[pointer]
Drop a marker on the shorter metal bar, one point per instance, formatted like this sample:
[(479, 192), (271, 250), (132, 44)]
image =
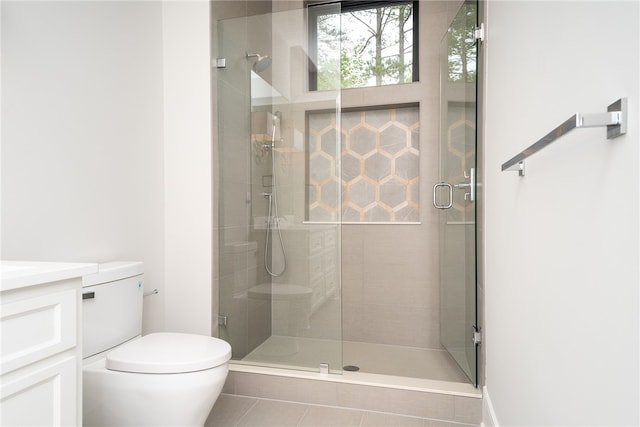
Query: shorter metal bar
[(153, 292), (598, 119)]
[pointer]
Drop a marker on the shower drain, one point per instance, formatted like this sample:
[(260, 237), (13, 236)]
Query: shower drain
[(351, 368)]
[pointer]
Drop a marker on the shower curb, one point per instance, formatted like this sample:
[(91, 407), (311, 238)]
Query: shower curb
[(349, 393)]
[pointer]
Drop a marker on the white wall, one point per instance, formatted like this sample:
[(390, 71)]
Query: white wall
[(188, 167), (562, 242), (99, 157)]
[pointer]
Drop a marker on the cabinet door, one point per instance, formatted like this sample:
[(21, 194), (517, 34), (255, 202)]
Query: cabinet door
[(50, 320), (41, 397)]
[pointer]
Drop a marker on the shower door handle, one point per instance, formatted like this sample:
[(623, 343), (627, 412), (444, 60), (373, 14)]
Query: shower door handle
[(435, 195), (470, 196), (471, 185)]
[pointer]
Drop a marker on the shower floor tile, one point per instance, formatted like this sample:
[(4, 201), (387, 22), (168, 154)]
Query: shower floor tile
[(402, 361), (370, 358)]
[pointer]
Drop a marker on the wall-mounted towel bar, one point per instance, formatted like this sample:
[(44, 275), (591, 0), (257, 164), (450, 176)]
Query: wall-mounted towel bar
[(615, 119)]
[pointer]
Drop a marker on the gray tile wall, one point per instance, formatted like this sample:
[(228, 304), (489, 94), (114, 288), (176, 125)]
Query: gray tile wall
[(390, 273)]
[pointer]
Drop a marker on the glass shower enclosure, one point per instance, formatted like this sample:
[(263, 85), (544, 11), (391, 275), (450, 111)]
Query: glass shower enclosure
[(279, 195), (279, 272), (459, 330)]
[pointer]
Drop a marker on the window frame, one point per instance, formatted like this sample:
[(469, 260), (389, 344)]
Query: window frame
[(315, 9)]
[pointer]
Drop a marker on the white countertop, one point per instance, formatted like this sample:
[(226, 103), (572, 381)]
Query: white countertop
[(20, 274)]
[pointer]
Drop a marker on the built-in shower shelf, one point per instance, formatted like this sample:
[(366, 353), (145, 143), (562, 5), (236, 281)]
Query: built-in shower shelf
[(461, 223), (615, 119)]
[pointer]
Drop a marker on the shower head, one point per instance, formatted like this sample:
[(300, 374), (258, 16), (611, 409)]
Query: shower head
[(262, 62)]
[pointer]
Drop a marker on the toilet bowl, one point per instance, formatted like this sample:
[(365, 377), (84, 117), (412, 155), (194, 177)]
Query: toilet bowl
[(133, 380)]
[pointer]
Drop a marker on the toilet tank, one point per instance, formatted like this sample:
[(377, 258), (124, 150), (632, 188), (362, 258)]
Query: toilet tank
[(111, 306)]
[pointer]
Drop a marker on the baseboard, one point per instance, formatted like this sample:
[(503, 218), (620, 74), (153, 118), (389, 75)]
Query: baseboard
[(489, 418)]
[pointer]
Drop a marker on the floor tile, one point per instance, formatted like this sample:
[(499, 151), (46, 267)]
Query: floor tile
[(374, 419), (323, 416), (270, 413), (241, 411), (228, 410)]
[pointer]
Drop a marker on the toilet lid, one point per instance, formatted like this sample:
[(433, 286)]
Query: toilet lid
[(169, 353)]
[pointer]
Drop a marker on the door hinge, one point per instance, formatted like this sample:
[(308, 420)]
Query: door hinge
[(476, 335), (222, 320), (478, 33)]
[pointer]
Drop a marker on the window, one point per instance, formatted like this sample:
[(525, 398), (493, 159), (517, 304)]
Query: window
[(362, 43)]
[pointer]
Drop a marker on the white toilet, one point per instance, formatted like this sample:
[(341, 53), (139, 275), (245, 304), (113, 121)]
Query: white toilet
[(160, 379)]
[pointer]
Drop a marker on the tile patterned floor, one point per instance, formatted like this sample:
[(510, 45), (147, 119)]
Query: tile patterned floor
[(239, 411)]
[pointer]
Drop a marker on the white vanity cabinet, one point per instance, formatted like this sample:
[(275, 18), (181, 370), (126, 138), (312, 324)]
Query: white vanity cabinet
[(41, 353)]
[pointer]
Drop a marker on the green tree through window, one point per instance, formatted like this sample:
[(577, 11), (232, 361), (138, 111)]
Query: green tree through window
[(462, 49), (363, 44)]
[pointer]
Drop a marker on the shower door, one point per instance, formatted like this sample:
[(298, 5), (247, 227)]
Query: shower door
[(455, 195)]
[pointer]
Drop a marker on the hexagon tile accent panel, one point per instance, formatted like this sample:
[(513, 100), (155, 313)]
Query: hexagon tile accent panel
[(380, 166)]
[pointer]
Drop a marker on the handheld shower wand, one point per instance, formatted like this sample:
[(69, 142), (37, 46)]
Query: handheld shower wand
[(273, 202)]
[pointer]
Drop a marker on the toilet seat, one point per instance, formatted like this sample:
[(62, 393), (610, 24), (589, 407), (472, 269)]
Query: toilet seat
[(169, 353)]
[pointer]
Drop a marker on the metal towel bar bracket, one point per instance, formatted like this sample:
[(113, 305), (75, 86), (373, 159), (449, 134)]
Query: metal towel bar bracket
[(615, 119)]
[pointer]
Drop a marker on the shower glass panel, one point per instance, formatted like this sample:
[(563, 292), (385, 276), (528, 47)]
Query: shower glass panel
[(455, 195), (279, 272)]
